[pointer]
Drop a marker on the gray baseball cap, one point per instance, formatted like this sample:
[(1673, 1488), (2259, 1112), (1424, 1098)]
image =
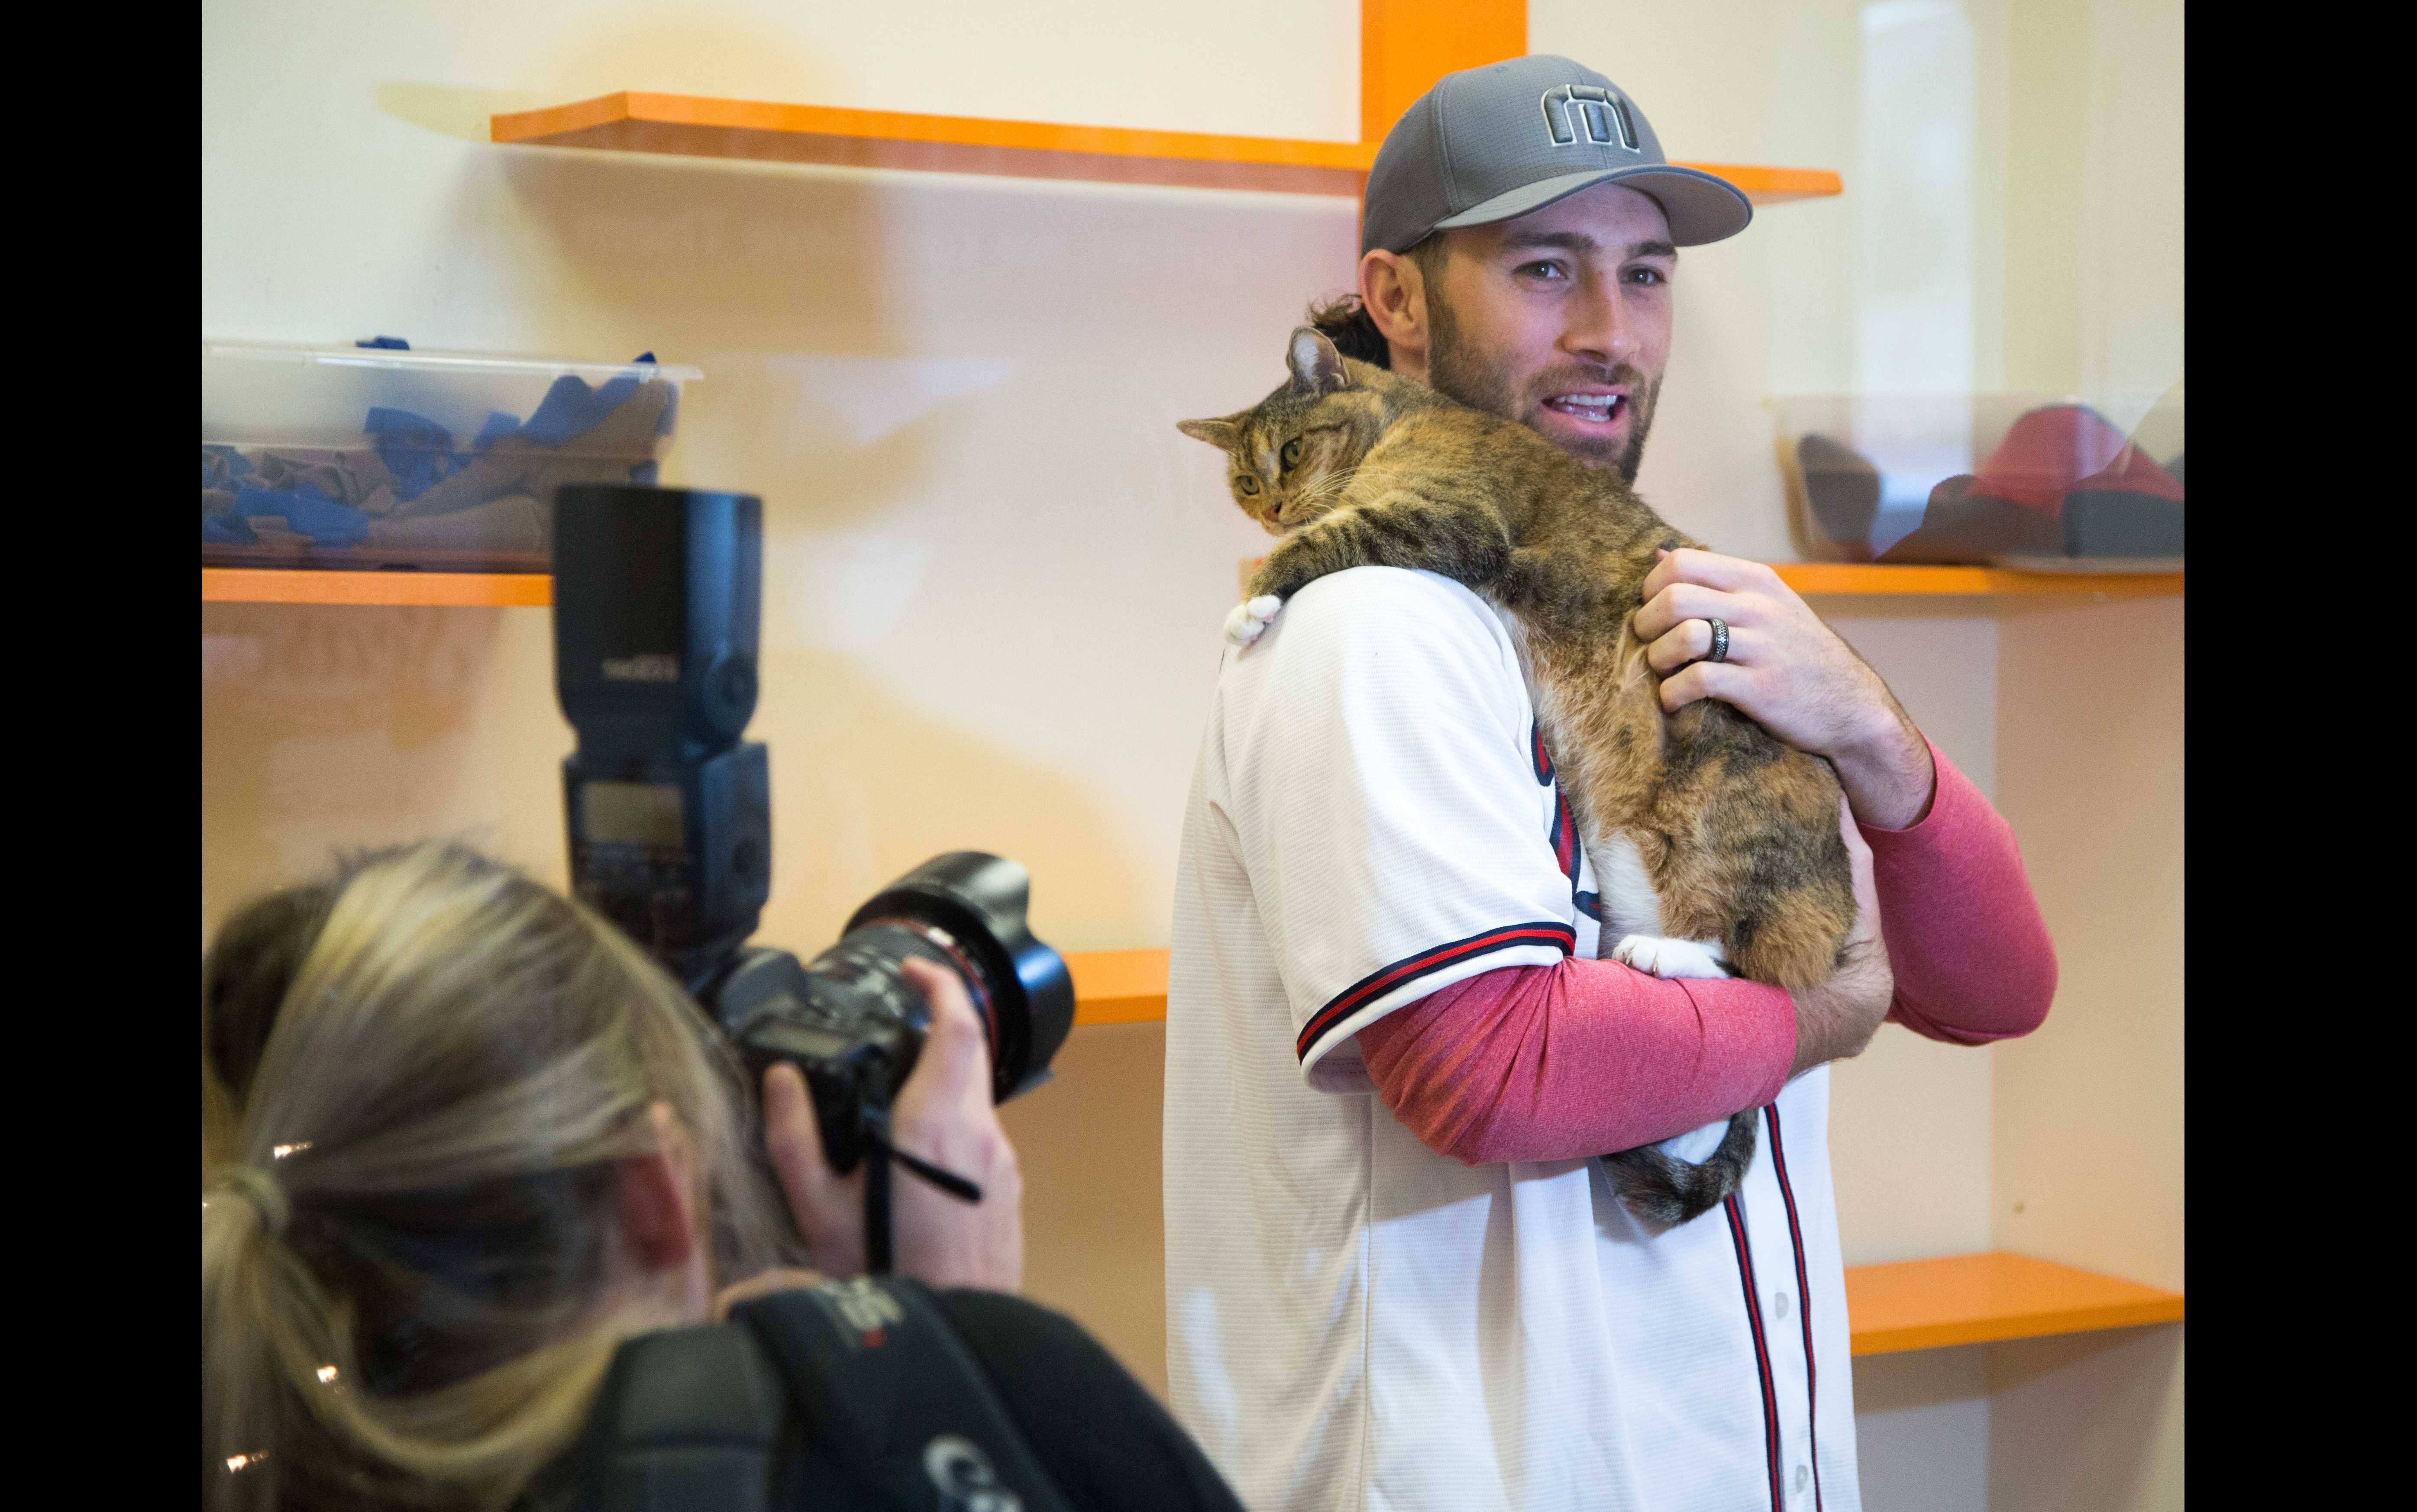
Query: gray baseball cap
[(1485, 144)]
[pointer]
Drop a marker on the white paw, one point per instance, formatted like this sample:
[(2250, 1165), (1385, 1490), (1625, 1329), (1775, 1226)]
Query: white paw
[(1670, 957), (1250, 619)]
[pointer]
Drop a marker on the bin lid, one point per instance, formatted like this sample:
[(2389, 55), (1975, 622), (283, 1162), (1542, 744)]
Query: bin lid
[(303, 353)]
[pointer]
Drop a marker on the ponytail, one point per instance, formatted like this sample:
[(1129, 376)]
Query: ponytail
[(416, 1085)]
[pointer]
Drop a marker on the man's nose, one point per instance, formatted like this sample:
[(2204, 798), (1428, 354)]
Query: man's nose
[(1599, 329)]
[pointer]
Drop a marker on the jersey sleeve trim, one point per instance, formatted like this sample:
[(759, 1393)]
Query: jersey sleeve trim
[(1538, 757), (1386, 979)]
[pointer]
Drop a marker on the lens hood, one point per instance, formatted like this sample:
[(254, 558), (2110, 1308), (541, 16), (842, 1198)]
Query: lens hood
[(981, 900)]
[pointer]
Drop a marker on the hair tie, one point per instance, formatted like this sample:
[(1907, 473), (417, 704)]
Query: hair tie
[(263, 1190)]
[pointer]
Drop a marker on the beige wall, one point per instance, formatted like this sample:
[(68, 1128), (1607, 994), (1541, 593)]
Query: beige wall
[(2088, 1136), (996, 573)]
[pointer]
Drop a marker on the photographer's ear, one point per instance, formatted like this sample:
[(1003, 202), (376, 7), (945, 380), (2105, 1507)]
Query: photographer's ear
[(656, 1197)]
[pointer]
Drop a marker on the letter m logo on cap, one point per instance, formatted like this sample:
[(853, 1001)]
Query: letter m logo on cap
[(1587, 111)]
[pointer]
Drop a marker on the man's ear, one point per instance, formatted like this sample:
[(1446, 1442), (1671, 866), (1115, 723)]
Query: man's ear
[(1316, 366), (1393, 290), (654, 1200), (1218, 434)]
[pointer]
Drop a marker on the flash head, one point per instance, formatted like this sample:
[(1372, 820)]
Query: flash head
[(656, 603)]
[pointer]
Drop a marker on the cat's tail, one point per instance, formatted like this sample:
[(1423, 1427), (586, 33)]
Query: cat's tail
[(1664, 1191)]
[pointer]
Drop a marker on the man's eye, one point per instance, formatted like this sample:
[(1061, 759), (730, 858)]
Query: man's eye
[(1247, 483), (1291, 454), (1543, 270), (1648, 275)]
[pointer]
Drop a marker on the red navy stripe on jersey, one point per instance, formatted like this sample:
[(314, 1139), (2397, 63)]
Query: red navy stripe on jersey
[(1538, 756), (1761, 1346), (1803, 1297), (1378, 983), (1564, 836)]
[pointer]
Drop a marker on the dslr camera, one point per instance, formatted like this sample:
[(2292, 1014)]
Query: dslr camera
[(658, 596)]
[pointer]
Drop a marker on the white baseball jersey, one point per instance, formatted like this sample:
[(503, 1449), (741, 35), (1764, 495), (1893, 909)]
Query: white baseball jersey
[(1354, 1322)]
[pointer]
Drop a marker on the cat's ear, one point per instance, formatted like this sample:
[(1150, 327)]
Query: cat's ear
[(1218, 434), (1316, 366)]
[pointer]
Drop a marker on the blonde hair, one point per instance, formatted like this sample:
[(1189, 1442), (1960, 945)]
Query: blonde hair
[(415, 1077)]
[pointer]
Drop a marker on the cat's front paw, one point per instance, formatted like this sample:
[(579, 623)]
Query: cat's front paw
[(1670, 957), (1250, 618)]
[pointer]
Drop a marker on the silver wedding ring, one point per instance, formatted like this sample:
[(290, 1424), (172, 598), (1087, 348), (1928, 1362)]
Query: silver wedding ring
[(1720, 651)]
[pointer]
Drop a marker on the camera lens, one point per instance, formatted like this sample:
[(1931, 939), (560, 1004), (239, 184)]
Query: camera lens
[(853, 1024), (965, 910)]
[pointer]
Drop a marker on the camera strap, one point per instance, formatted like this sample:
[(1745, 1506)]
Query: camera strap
[(854, 1395), (687, 1417), (895, 1400), (879, 1229)]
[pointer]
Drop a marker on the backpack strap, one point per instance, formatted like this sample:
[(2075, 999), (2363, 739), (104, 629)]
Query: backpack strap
[(687, 1418), (892, 1395)]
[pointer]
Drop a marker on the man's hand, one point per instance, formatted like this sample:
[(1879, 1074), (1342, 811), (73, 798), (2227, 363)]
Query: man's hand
[(1837, 1018), (944, 1116), (1788, 673)]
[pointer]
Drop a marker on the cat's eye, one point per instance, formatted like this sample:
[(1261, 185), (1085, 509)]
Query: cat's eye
[(1292, 453), (1247, 483)]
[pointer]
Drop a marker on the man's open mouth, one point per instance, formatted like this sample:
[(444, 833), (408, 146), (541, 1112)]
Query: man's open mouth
[(1593, 408)]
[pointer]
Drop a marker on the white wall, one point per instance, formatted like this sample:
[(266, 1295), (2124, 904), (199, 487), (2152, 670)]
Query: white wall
[(996, 572)]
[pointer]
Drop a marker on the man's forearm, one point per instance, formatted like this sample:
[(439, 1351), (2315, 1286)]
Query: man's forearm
[(1887, 773), (1971, 954), (1560, 1062)]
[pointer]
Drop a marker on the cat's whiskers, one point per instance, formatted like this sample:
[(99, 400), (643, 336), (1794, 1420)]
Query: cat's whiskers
[(1320, 496)]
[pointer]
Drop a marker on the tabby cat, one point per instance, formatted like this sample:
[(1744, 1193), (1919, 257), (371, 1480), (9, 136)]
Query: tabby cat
[(1717, 846)]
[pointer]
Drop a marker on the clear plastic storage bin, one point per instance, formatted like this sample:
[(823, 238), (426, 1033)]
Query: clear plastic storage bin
[(2004, 480), (372, 458)]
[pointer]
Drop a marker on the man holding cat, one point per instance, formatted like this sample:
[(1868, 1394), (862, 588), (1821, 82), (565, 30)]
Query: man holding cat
[(1397, 1274)]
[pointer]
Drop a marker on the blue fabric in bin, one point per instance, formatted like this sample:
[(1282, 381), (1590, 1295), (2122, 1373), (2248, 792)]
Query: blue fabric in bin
[(227, 530), (498, 426), (222, 465), (306, 511), (571, 408), (415, 448)]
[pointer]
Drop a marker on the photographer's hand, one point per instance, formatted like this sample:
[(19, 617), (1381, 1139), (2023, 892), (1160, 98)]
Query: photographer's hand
[(944, 1116)]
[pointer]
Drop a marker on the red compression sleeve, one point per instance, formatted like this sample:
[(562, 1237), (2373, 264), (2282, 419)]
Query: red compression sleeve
[(1558, 1063), (1970, 953), (1553, 1063)]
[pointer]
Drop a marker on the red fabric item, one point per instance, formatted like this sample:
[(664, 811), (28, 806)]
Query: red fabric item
[(2049, 451), (2134, 471), (1558, 1063)]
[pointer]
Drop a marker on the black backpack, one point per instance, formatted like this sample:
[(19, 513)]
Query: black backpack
[(850, 1394)]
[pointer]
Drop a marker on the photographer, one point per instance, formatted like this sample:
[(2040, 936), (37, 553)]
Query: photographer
[(473, 1169)]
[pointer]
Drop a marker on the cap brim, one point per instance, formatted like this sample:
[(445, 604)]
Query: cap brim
[(1701, 207)]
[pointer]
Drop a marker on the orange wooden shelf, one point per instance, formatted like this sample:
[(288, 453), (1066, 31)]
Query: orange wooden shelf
[(1118, 986), (256, 585), (1836, 577), (1860, 578), (697, 126), (273, 586), (1975, 1299), (1405, 46)]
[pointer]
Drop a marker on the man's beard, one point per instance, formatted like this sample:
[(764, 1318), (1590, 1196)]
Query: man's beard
[(1456, 369)]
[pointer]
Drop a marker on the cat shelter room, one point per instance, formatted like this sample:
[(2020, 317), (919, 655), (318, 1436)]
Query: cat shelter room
[(936, 288)]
